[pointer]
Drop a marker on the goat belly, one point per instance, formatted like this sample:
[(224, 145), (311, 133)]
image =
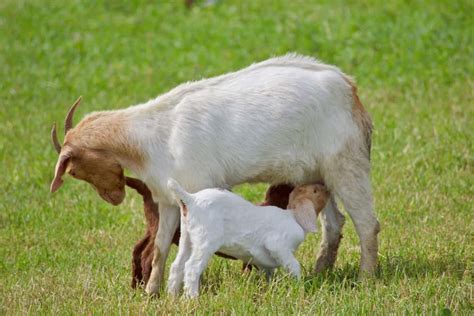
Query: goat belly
[(258, 256)]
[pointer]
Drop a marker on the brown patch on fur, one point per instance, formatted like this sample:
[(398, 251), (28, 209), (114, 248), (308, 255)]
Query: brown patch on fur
[(99, 168), (278, 195), (316, 193), (105, 131), (94, 149), (361, 116)]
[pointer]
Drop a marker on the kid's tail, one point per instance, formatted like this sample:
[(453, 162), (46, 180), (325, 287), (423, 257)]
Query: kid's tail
[(180, 194)]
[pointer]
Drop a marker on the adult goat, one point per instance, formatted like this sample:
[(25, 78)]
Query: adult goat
[(288, 119)]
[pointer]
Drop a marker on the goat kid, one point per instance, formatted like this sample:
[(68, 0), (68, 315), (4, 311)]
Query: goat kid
[(219, 220), (142, 254)]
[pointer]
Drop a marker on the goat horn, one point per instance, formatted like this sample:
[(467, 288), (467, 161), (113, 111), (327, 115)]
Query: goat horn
[(70, 114), (54, 137)]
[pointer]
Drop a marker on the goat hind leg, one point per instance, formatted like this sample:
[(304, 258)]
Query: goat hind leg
[(332, 222), (193, 269), (348, 176), (175, 279)]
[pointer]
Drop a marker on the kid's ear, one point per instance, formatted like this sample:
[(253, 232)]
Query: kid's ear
[(305, 215)]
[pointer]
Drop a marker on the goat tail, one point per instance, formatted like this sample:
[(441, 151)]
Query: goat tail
[(180, 194)]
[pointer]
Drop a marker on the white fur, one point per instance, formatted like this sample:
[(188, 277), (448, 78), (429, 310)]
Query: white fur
[(218, 220), (273, 122), (284, 120)]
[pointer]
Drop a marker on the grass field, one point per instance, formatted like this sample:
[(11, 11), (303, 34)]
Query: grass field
[(69, 253)]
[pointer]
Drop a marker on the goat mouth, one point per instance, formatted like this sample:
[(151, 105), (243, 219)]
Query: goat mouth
[(114, 198)]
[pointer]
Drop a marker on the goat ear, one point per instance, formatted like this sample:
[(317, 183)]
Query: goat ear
[(305, 215), (61, 166)]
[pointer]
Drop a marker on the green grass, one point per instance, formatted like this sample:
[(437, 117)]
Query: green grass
[(70, 252)]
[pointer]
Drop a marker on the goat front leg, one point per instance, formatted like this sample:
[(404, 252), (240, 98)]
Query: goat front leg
[(169, 218), (285, 258)]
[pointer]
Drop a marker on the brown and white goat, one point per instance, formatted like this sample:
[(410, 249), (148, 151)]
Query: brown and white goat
[(288, 119)]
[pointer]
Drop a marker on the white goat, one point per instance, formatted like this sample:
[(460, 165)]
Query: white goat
[(219, 220), (289, 120)]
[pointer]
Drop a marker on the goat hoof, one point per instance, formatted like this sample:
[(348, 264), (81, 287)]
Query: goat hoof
[(151, 289), (323, 266), (173, 291), (366, 276)]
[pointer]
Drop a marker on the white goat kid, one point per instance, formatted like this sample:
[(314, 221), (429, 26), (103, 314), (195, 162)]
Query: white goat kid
[(219, 220), (289, 120)]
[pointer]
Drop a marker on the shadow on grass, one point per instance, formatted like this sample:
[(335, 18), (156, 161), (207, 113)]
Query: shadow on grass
[(398, 267), (391, 269)]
